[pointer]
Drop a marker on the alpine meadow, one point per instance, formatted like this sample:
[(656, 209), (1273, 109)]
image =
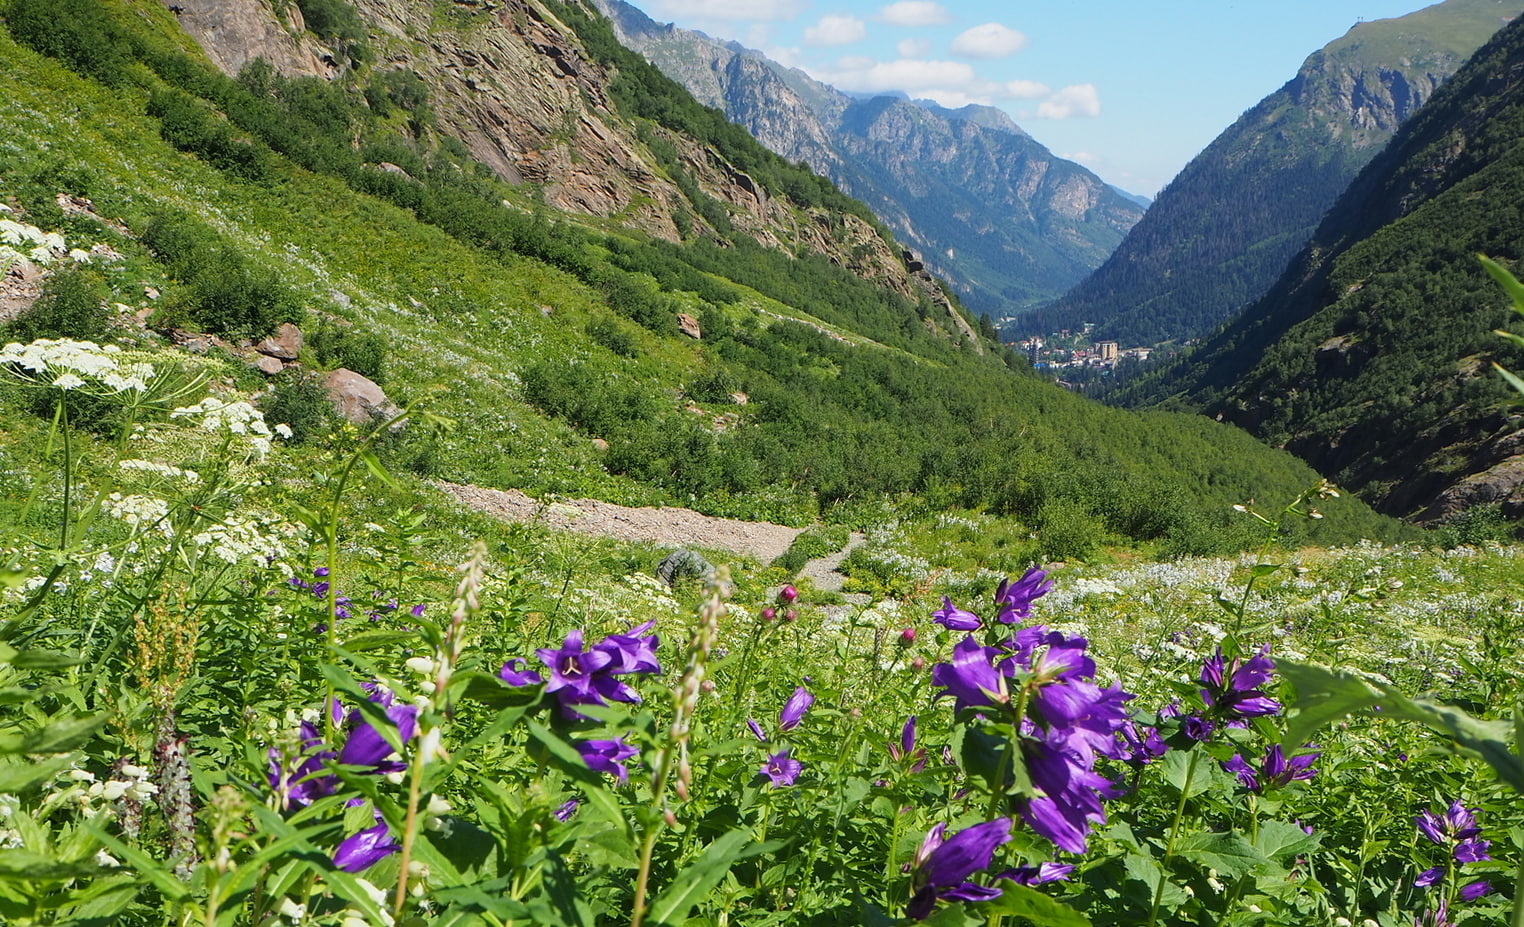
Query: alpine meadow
[(449, 475)]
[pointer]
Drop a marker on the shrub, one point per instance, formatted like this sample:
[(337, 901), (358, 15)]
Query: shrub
[(811, 544), (72, 305), (1065, 531), (612, 335), (1477, 525), (362, 352), (300, 401)]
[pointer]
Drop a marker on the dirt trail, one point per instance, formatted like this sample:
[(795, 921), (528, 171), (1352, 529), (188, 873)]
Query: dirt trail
[(669, 527)]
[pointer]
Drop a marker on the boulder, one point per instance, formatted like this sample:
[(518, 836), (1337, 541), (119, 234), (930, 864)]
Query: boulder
[(285, 344), (358, 399), (270, 366), (689, 326)]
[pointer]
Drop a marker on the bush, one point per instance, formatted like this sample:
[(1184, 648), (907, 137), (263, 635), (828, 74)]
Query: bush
[(1065, 531), (77, 32), (362, 352), (612, 335), (72, 305), (224, 292), (1477, 525), (300, 401)]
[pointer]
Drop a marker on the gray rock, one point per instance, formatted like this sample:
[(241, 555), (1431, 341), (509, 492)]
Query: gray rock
[(684, 564), (270, 366), (285, 344), (358, 399)]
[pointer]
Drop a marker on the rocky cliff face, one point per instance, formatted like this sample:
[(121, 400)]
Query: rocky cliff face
[(996, 213), (515, 85)]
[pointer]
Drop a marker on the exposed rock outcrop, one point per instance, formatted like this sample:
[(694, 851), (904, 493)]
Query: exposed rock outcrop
[(235, 32), (358, 399)]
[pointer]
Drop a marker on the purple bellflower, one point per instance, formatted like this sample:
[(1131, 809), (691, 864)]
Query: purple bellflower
[(366, 746), (794, 709), (358, 852), (1475, 890), (607, 756), (972, 678), (906, 750), (1455, 823), (1274, 772), (566, 810), (515, 673), (756, 730), (782, 769), (1233, 688), (1141, 746), (1037, 875), (1015, 599), (942, 867), (955, 619), (581, 676)]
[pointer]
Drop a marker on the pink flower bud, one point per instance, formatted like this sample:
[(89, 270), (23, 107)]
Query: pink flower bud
[(788, 594), (907, 636), (791, 615), (918, 663), (707, 685), (769, 613)]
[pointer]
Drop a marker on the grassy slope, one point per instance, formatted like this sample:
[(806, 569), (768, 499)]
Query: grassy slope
[(461, 324)]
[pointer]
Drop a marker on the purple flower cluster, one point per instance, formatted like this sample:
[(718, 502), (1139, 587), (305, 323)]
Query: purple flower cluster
[(343, 605), (589, 675), (581, 675), (1067, 720), (301, 780), (1013, 599), (1234, 690), (1455, 830), (942, 866), (780, 768), (1275, 770)]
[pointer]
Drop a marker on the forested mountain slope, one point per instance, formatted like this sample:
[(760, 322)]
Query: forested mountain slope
[(1369, 358), (1218, 236), (579, 353), (986, 206)]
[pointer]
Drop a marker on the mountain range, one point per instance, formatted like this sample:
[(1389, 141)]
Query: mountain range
[(1369, 356), (1003, 219), (1225, 227)]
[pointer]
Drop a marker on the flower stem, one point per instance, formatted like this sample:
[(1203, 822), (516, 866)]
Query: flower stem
[(1174, 834)]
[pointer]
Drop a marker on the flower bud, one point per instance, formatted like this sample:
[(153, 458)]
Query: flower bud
[(791, 615), (788, 594), (907, 636), (918, 663), (769, 613)]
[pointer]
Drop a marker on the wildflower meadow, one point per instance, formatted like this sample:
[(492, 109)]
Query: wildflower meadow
[(220, 710)]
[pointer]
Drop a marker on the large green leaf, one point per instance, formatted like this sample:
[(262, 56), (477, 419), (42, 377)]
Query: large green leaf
[(1228, 853), (1148, 872), (694, 883), (1027, 902), (1277, 839), (1324, 695)]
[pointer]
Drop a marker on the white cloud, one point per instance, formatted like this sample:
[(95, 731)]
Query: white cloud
[(768, 10), (1083, 157), (990, 40), (836, 30), (913, 48), (950, 83), (914, 13), (1026, 89), (1074, 100)]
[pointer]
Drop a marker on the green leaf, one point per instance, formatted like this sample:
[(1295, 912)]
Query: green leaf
[(376, 640), (20, 776), (59, 735), (1506, 280), (1277, 839), (694, 883), (1229, 853), (21, 863), (1151, 875), (1322, 696), (144, 865), (1512, 380), (375, 468), (1182, 770), (1025, 901), (43, 660), (569, 761)]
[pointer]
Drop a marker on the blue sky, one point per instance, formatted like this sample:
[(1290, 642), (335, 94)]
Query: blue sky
[(1132, 89)]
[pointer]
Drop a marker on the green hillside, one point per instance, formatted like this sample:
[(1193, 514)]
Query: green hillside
[(1370, 357)]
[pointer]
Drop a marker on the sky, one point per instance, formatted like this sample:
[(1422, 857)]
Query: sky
[(1132, 89)]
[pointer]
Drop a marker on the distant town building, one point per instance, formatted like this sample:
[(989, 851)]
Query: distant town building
[(1107, 350)]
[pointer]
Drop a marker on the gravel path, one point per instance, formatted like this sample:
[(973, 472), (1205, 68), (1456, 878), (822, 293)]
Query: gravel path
[(669, 527)]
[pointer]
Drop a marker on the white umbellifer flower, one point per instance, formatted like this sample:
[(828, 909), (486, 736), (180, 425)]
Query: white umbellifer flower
[(236, 418), (139, 511), (254, 539), (283, 430), (162, 469), (69, 381), (423, 666), (79, 256)]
